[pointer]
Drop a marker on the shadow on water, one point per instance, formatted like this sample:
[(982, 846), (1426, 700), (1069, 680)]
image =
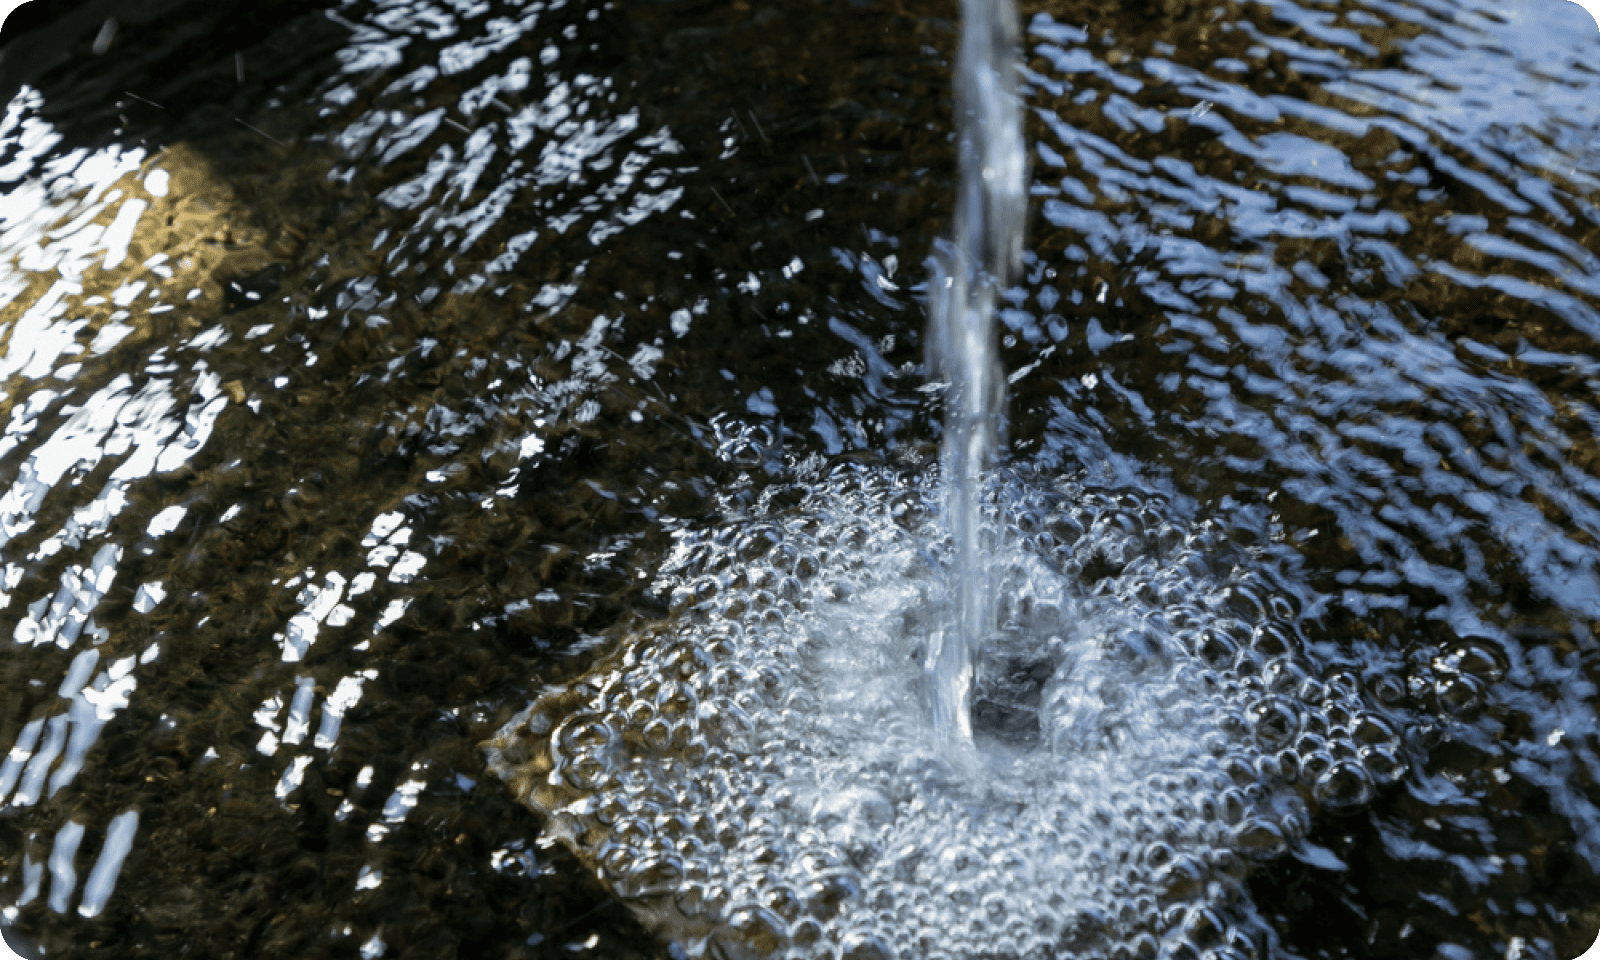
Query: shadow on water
[(374, 411)]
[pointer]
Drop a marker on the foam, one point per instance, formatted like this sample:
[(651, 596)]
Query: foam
[(755, 776)]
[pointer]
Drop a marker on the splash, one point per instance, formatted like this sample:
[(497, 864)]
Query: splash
[(755, 776), (969, 273)]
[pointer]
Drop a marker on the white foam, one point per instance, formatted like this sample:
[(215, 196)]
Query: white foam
[(758, 775)]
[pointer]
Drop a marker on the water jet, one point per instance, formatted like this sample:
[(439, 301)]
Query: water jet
[(969, 273)]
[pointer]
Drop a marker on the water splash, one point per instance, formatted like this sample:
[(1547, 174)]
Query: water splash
[(969, 274), (755, 779)]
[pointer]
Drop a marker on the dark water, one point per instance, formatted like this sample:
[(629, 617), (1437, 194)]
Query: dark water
[(374, 412)]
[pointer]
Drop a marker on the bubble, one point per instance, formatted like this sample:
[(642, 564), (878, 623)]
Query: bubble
[(1383, 763), (865, 946), (1261, 839), (1460, 695), (1343, 786), (758, 931), (1274, 721), (756, 776)]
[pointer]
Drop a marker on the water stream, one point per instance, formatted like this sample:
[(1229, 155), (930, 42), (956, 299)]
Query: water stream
[(970, 272)]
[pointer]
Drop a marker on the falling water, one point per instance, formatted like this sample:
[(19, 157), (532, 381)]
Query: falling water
[(969, 274)]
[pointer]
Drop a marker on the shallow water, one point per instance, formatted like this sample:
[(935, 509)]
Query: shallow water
[(499, 307)]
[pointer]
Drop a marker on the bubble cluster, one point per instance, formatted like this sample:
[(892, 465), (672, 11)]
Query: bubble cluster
[(756, 775)]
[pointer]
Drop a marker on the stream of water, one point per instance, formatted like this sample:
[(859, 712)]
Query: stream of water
[(970, 273)]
